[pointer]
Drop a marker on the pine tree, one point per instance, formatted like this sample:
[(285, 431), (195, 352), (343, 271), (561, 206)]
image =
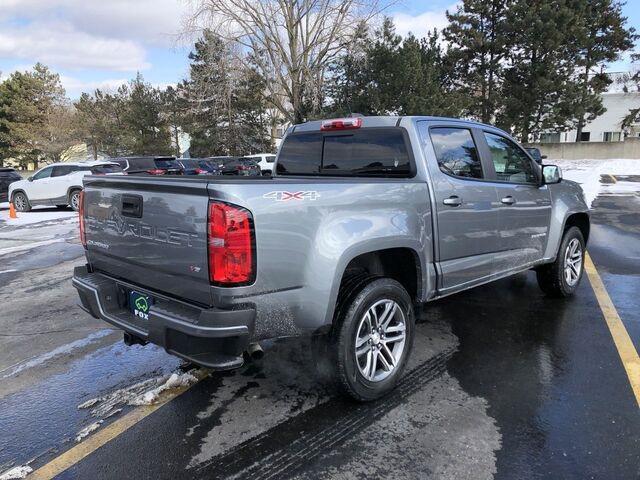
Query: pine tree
[(30, 109), (226, 111), (477, 34), (538, 88), (386, 74), (600, 37), (146, 131)]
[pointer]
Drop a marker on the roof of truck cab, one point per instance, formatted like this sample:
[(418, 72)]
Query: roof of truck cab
[(386, 121)]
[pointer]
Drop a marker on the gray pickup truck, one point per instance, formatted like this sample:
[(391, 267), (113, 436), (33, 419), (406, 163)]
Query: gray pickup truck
[(364, 218)]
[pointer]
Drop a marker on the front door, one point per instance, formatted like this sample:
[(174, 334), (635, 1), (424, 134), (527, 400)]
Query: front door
[(39, 186), (524, 205), (466, 205)]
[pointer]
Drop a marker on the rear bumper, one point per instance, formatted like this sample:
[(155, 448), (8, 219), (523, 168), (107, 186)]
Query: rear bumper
[(210, 337)]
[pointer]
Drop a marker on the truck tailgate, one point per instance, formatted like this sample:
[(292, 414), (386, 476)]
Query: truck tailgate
[(150, 233)]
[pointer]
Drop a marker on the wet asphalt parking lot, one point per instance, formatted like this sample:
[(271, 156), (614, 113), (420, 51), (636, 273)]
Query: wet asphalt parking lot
[(503, 383)]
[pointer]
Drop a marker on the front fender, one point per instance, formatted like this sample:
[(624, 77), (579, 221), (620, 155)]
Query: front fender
[(567, 199)]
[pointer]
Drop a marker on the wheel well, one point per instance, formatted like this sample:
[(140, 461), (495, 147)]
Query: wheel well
[(401, 264), (71, 190), (13, 194), (580, 220)]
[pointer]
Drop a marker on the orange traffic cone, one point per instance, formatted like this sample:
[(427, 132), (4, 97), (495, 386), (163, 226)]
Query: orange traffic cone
[(12, 211)]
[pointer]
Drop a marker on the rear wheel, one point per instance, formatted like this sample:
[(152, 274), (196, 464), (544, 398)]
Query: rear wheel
[(21, 202), (373, 339), (562, 277), (74, 199)]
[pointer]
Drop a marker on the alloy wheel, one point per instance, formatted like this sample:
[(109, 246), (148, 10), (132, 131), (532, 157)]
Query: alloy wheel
[(573, 262), (380, 340)]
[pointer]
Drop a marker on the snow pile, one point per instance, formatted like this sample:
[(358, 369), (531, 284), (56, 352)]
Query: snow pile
[(174, 381), (16, 472), (145, 392), (587, 173), (88, 429)]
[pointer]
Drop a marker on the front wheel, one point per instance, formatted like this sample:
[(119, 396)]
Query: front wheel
[(373, 339), (562, 277), (21, 202)]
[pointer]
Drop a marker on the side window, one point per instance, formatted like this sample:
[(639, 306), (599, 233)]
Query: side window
[(44, 173), (510, 162), (456, 152), (61, 171)]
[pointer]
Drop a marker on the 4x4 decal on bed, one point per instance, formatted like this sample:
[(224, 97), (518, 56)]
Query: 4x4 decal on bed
[(282, 196)]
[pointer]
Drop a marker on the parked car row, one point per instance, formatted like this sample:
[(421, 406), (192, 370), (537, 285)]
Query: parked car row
[(259, 164)]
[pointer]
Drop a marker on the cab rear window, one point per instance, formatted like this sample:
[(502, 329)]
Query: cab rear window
[(376, 152)]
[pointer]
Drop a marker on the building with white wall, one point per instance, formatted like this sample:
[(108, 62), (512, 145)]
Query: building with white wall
[(608, 126)]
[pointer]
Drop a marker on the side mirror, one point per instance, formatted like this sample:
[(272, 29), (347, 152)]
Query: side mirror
[(543, 157), (551, 174), (30, 179)]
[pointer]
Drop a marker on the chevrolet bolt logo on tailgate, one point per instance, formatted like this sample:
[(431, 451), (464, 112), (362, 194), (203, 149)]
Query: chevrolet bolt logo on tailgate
[(282, 196)]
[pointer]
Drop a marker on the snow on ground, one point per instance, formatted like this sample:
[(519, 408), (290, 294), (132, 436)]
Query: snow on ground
[(62, 350), (16, 472), (588, 174), (37, 215)]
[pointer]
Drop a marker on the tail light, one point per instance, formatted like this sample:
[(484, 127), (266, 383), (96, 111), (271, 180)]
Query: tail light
[(83, 237), (342, 124), (231, 245), (156, 171), (201, 171), (243, 167)]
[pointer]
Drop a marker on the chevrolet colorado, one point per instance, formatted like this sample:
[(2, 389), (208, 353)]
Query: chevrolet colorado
[(363, 218)]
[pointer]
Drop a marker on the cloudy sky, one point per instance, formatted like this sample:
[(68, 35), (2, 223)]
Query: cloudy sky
[(102, 43)]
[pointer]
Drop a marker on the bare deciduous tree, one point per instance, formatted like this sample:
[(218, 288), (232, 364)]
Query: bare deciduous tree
[(290, 42)]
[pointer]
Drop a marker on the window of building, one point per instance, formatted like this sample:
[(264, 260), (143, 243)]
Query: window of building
[(585, 136), (550, 137), (611, 137), (456, 152)]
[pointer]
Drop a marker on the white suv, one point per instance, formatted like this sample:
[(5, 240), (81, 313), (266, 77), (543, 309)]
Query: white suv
[(58, 184), (265, 161)]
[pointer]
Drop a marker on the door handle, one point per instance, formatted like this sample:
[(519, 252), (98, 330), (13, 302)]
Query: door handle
[(508, 200), (453, 201)]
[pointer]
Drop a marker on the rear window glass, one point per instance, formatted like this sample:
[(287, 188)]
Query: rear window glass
[(371, 152), (166, 163), (105, 169)]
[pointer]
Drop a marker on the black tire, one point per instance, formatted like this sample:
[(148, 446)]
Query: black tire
[(21, 202), (343, 341), (74, 199), (551, 277)]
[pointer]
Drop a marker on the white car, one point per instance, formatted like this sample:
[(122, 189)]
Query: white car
[(58, 184), (265, 161)]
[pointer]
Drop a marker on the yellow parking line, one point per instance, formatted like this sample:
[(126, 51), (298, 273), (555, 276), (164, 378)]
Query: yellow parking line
[(72, 456), (626, 349)]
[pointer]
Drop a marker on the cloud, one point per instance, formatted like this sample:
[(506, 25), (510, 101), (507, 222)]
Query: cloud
[(151, 22), (420, 24), (74, 87), (59, 44)]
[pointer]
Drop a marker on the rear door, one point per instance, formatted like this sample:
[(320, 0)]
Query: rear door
[(525, 206), (60, 182), (150, 232), (466, 204)]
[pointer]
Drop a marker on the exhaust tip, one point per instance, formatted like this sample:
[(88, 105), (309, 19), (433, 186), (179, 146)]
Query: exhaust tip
[(255, 351)]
